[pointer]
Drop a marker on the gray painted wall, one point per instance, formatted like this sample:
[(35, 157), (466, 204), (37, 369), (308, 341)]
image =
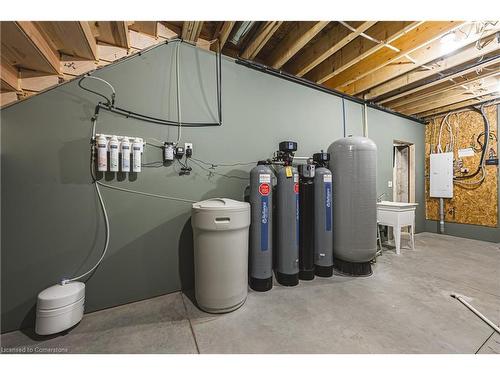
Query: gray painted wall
[(51, 221), (477, 232)]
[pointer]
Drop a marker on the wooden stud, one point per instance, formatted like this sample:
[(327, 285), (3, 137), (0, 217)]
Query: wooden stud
[(9, 77), (36, 81), (191, 31), (7, 98), (360, 48), (301, 33), (411, 41), (145, 27), (264, 33), (324, 47), (381, 81), (111, 32), (24, 46), (223, 34)]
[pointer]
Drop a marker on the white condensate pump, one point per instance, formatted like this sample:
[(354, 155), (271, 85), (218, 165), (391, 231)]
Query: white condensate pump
[(59, 307)]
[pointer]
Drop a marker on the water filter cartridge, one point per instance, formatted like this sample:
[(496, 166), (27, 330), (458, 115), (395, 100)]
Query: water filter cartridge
[(136, 154), (125, 150), (102, 153), (113, 154)]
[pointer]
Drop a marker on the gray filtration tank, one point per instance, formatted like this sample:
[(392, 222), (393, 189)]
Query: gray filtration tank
[(287, 206), (353, 162), (323, 223), (261, 228)]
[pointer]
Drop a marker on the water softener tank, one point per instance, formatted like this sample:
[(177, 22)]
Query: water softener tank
[(353, 162), (306, 221), (287, 220), (323, 223), (261, 228)]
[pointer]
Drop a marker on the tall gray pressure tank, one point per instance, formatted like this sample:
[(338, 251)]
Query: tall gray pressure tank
[(323, 217), (287, 206), (261, 228), (353, 162)]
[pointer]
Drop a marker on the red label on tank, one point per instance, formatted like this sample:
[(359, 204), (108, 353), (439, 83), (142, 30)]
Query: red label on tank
[(264, 189), (296, 187)]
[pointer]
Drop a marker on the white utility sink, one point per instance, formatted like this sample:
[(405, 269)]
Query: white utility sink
[(396, 205), (397, 215)]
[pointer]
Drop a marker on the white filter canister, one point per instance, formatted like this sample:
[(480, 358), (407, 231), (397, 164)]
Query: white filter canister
[(102, 153), (136, 154), (113, 153), (125, 151)]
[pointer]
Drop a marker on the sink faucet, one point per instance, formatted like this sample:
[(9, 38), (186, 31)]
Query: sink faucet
[(379, 198)]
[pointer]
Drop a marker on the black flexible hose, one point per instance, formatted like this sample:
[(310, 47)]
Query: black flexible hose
[(483, 152)]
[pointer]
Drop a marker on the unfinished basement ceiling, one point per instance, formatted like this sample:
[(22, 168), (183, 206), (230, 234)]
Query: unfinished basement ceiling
[(414, 68)]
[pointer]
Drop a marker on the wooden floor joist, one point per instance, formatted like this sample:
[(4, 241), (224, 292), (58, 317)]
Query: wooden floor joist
[(329, 43), (191, 31), (222, 34), (9, 77), (264, 33), (296, 39), (360, 48), (411, 41), (394, 76), (459, 105)]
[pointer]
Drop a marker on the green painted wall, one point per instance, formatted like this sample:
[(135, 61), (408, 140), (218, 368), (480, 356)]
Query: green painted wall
[(51, 221)]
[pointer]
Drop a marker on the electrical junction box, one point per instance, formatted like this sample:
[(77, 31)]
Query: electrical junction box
[(441, 175)]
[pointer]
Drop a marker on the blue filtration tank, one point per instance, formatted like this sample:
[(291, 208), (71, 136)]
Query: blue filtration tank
[(353, 162), (323, 216), (261, 227)]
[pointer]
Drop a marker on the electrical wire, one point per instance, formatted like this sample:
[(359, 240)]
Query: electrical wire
[(215, 165), (109, 105), (212, 172), (177, 79)]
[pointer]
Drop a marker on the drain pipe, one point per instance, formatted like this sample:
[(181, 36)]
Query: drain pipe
[(365, 120), (471, 308), (441, 215)]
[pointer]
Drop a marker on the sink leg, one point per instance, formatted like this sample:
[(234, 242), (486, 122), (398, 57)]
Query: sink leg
[(397, 239)]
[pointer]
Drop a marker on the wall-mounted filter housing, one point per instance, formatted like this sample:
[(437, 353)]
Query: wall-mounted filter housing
[(168, 151), (353, 162), (59, 307)]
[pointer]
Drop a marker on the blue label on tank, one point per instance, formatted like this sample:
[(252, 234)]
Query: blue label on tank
[(328, 206), (297, 218), (264, 222)]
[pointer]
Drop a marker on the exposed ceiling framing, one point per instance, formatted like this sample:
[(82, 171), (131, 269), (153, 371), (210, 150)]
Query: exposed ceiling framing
[(407, 66)]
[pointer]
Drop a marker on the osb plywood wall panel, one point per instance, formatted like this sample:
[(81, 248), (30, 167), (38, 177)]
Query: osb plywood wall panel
[(469, 205)]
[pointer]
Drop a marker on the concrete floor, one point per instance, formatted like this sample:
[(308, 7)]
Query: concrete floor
[(404, 307)]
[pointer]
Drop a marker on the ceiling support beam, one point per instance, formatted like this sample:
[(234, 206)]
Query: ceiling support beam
[(460, 105), (264, 33), (294, 41), (376, 83), (191, 31), (9, 77), (222, 34), (411, 41), (111, 32), (324, 47), (454, 96), (471, 86), (463, 77), (375, 39)]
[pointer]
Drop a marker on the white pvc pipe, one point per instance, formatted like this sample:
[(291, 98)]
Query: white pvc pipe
[(481, 316)]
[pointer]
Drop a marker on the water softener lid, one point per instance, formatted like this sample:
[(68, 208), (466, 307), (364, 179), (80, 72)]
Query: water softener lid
[(58, 295), (221, 204)]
